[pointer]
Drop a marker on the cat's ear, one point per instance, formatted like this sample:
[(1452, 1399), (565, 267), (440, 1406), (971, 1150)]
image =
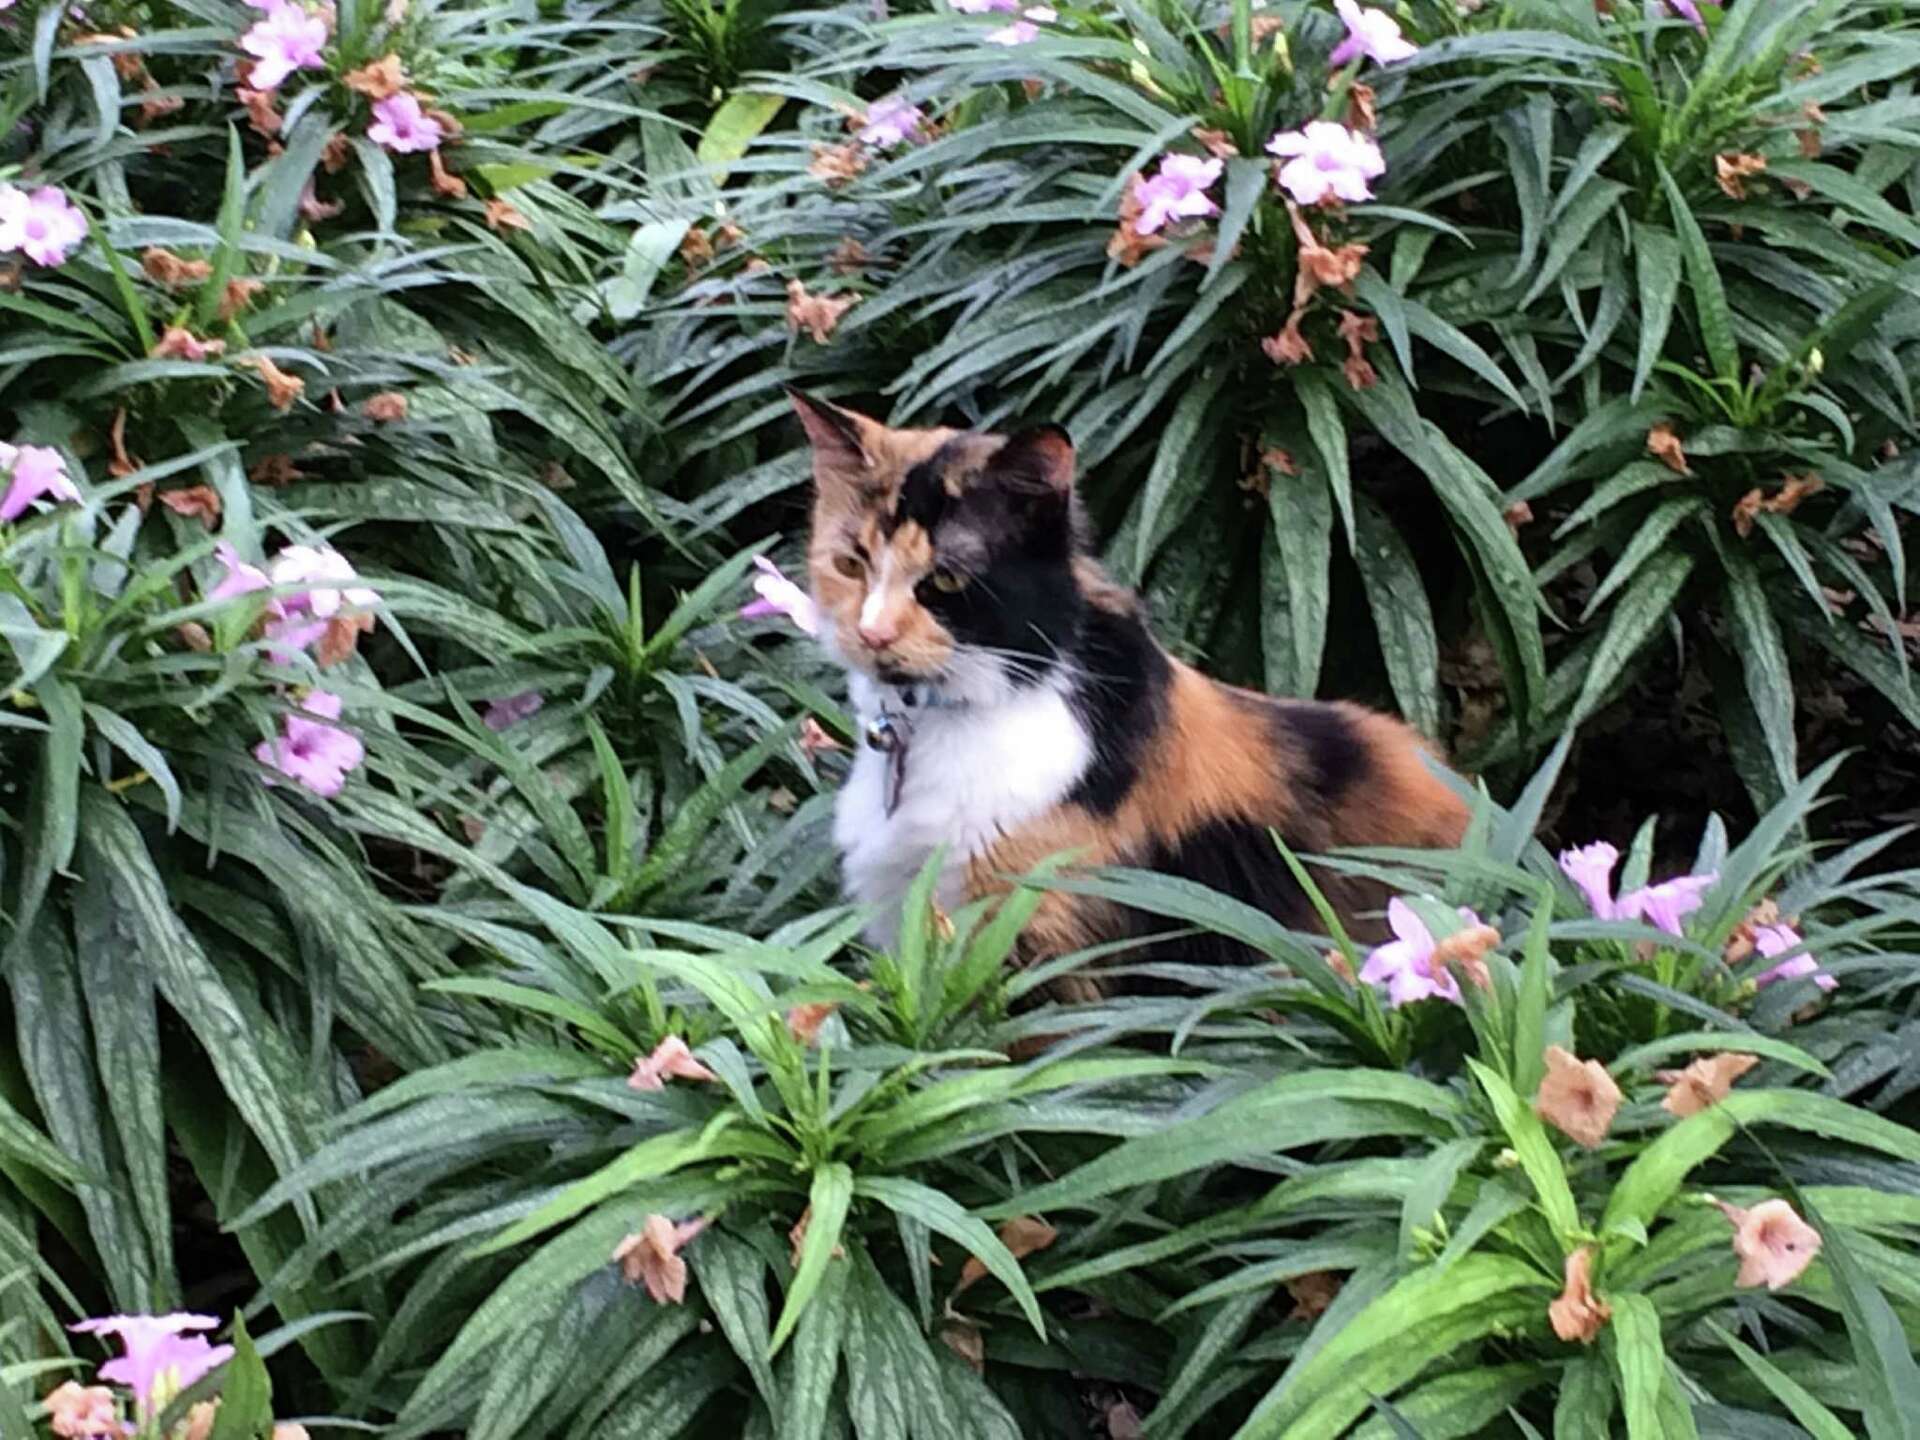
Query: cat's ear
[(1037, 462), (841, 453)]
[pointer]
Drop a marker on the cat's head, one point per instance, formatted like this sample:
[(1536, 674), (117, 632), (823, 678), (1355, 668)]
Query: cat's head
[(942, 557)]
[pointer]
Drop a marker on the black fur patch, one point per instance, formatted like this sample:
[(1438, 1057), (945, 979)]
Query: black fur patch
[(1335, 758), (1235, 858), (1121, 696)]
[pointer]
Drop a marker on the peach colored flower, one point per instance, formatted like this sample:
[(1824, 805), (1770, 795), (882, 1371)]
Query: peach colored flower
[(670, 1060), (282, 389), (1578, 1314), (199, 1422), (1663, 443), (1129, 244), (1733, 171), (652, 1257), (1216, 143), (1517, 515), (814, 738), (1023, 1235), (1774, 1244), (287, 1430), (818, 315), (804, 1021), (1463, 953), (501, 215), (1705, 1082), (386, 408), (380, 80), (262, 118), (341, 638), (1289, 346), (163, 267), (75, 1411), (1577, 1097), (443, 180)]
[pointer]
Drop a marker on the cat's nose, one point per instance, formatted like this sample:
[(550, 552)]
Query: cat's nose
[(880, 632)]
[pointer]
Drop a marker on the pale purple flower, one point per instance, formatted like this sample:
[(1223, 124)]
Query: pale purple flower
[(32, 473), (1326, 160), (892, 121), (300, 619), (509, 711), (1372, 33), (161, 1359), (1662, 906), (1591, 868), (1026, 28), (42, 224), (313, 755), (780, 596), (1665, 905), (1405, 964), (986, 7), (1178, 192), (1688, 11), (287, 38), (1773, 941), (403, 127)]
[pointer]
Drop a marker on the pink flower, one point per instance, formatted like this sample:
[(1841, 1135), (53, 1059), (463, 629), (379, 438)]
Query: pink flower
[(1689, 12), (313, 755), (1774, 941), (1023, 30), (1178, 192), (241, 578), (780, 596), (402, 127), (892, 121), (504, 714), (1372, 33), (75, 1412), (1406, 964), (161, 1360), (287, 39), (670, 1060), (43, 225), (32, 472), (1665, 905), (1591, 868), (652, 1257), (300, 619), (1774, 1244), (1327, 161)]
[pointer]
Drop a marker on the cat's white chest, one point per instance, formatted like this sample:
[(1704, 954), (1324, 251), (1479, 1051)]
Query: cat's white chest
[(973, 774)]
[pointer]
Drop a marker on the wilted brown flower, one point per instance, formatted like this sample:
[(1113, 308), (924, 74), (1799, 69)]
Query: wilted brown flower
[(1312, 1293), (156, 104), (314, 209), (194, 636), (836, 165), (341, 638), (818, 315), (1023, 1235), (119, 463), (1358, 331), (1127, 245), (381, 80), (814, 738), (963, 1337), (671, 1059), (1464, 952), (262, 118), (804, 1021), (849, 257), (177, 342), (443, 180), (1217, 143), (282, 389), (1663, 443), (1577, 1097), (696, 249), (501, 215), (1289, 346), (1362, 111), (239, 295), (1746, 510), (1705, 1082), (1732, 171), (163, 267), (335, 153), (1774, 1244), (195, 502), (1578, 1314), (1518, 514), (275, 470)]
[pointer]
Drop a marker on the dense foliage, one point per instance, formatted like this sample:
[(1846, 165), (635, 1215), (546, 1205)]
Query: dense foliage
[(413, 878)]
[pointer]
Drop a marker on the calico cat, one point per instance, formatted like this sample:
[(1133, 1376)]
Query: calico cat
[(1016, 705)]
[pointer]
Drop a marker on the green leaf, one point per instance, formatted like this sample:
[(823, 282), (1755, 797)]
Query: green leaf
[(816, 1360), (1537, 1155), (940, 1213), (740, 118), (1328, 431), (245, 1411), (1179, 472), (142, 752), (733, 1277), (1755, 636), (1716, 1042), (1889, 1375), (1819, 1422), (1302, 535), (1402, 617), (1648, 602), (827, 1203), (1641, 1361), (1703, 279)]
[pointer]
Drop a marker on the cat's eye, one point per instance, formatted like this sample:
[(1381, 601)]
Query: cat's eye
[(849, 565), (948, 581)]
